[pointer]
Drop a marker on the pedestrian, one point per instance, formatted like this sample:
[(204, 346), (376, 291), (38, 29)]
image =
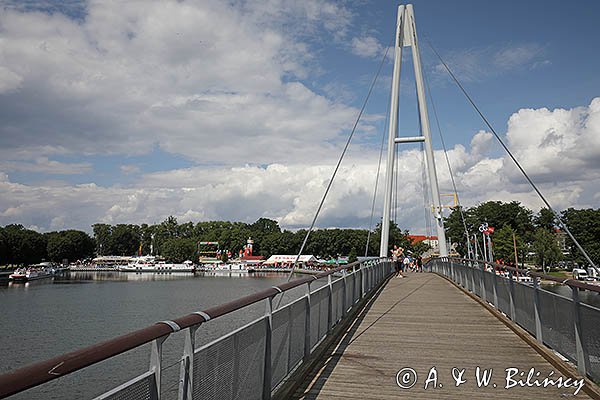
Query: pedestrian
[(419, 264), (395, 260), (406, 263)]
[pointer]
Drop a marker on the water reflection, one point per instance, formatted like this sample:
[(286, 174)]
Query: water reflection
[(585, 296)]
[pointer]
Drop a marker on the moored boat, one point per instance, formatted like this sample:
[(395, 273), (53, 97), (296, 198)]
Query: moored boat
[(149, 264), (30, 274)]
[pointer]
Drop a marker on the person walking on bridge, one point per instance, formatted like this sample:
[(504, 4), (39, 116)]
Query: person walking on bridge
[(397, 253)]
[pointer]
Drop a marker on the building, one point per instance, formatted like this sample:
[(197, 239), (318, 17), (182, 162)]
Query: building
[(430, 240)]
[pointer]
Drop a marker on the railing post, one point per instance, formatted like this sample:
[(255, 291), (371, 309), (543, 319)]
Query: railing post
[(362, 281), (537, 309), (266, 392), (345, 294), (472, 272), (307, 324), (329, 303), (583, 360), (156, 366), (495, 287), (482, 283), (186, 381), (511, 295)]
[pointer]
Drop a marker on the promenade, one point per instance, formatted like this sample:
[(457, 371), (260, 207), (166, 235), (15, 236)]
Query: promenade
[(422, 322)]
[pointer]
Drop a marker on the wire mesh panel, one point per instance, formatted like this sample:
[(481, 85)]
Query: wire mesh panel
[(318, 314), (503, 292), (280, 344), (350, 282), (558, 331), (287, 339), (233, 366), (469, 273), (139, 388), (357, 285), (337, 298), (488, 283), (590, 328), (477, 280), (524, 307), (298, 329)]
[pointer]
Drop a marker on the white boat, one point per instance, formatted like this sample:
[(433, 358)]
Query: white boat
[(234, 267), (149, 264), (30, 274)]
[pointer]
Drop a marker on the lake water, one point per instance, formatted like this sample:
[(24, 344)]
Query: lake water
[(46, 318)]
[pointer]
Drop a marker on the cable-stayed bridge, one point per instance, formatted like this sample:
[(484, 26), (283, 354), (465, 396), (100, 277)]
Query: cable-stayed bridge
[(461, 328)]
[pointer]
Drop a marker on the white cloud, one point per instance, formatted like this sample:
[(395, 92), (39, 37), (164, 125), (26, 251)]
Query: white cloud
[(46, 166), (219, 83), (290, 192), (480, 63), (366, 46), (130, 169), (199, 80)]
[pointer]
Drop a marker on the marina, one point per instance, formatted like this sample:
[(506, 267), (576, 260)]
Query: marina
[(91, 299), (134, 268)]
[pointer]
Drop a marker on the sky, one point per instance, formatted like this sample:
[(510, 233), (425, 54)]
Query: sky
[(129, 112)]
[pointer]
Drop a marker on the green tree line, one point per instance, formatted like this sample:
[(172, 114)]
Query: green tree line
[(179, 241), (537, 236)]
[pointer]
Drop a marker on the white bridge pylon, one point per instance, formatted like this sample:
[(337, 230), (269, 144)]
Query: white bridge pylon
[(406, 35)]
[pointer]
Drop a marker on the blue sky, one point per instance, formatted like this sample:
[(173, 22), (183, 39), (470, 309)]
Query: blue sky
[(239, 110)]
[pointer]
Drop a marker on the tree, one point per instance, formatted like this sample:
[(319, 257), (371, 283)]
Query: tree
[(546, 248), (3, 248), (585, 226), (455, 229), (396, 238), (503, 244), (124, 239), (353, 256), (71, 245), (420, 247), (24, 246), (545, 219), (102, 233), (179, 250)]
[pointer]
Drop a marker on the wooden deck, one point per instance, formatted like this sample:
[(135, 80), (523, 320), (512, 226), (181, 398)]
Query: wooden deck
[(421, 322)]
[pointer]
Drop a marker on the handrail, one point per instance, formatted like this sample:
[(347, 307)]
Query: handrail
[(44, 371), (569, 281)]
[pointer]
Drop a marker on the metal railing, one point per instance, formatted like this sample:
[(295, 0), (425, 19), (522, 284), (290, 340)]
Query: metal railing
[(249, 363), (565, 324)]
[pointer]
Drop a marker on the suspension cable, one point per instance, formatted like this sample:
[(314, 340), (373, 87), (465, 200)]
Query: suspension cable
[(425, 190), (489, 125), (424, 180), (385, 125), (362, 109), (395, 192), (437, 121)]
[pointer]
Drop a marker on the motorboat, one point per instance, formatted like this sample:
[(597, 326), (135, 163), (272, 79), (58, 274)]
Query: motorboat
[(30, 274), (149, 264)]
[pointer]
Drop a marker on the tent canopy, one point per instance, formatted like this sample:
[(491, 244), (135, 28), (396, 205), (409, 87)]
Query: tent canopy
[(285, 258)]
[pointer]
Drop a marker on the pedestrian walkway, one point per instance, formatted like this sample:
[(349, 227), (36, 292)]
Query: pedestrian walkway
[(425, 324)]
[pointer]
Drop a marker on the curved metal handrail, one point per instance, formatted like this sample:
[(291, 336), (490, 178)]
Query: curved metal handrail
[(569, 281), (44, 371)]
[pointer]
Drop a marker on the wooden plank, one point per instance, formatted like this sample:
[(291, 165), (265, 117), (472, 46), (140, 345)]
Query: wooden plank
[(424, 322)]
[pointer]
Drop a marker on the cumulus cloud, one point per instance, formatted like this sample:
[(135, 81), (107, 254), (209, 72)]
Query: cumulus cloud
[(211, 78), (366, 46), (46, 166), (220, 84), (290, 193)]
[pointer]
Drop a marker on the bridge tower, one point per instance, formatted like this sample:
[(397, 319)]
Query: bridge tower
[(406, 36)]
